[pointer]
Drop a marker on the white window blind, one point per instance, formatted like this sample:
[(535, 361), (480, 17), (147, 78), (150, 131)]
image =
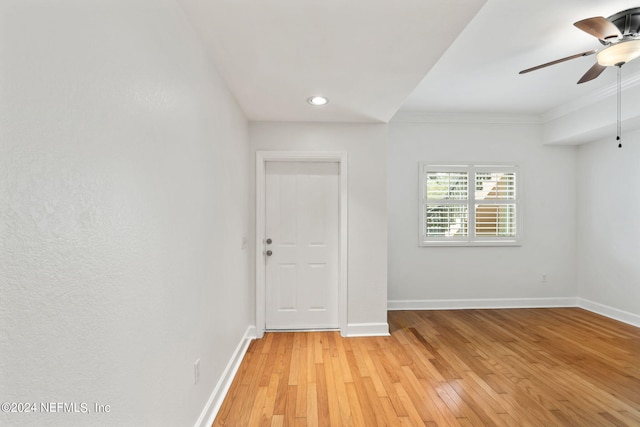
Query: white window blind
[(469, 204)]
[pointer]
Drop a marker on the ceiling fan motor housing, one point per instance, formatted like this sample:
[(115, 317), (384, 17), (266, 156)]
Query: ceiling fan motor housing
[(627, 21)]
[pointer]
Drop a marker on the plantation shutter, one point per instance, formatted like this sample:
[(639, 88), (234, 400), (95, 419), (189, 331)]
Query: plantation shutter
[(469, 204), (495, 215), (447, 208)]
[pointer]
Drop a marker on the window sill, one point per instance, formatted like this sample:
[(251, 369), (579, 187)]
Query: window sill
[(485, 244)]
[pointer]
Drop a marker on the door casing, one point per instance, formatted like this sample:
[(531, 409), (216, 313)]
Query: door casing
[(262, 157)]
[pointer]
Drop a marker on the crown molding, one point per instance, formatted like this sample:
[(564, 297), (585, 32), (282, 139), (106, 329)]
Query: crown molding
[(445, 117), (594, 97)]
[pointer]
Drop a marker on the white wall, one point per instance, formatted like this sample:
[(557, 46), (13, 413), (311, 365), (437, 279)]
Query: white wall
[(123, 204), (425, 274), (365, 145), (608, 229)]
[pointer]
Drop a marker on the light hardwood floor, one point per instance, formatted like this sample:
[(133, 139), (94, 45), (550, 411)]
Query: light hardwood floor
[(520, 367)]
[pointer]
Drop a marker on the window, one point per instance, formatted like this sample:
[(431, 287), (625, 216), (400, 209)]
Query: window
[(469, 205)]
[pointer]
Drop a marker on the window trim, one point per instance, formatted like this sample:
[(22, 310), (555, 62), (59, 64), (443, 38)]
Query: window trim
[(472, 168)]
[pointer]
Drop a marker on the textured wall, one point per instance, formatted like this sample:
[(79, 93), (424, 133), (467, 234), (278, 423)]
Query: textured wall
[(123, 205)]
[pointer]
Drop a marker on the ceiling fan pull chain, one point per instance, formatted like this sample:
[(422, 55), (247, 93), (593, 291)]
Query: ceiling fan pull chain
[(619, 118)]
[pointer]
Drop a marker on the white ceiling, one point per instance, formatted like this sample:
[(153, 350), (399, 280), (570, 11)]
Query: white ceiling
[(375, 57)]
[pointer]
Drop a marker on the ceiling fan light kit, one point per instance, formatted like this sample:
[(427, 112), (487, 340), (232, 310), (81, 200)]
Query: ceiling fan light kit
[(620, 35), (619, 53)]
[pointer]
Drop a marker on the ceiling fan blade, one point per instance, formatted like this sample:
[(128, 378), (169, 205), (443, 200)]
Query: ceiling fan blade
[(599, 27), (557, 61), (593, 72)]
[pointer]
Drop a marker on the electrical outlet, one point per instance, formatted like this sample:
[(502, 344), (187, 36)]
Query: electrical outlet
[(196, 371)]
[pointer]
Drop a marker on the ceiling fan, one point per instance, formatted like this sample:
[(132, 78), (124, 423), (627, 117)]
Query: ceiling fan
[(620, 36)]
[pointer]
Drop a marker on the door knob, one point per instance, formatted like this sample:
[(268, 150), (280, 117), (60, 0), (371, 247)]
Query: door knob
[(269, 241), (269, 253)]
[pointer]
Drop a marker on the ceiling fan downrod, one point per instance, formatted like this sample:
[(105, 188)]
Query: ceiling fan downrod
[(619, 117)]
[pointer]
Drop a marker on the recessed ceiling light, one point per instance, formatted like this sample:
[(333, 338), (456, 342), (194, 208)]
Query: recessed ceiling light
[(317, 100)]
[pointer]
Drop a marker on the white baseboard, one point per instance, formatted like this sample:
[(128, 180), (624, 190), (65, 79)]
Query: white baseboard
[(367, 329), (610, 312), (462, 304), (208, 415), (470, 304)]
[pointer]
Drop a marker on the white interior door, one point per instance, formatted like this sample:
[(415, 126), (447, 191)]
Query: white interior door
[(301, 245)]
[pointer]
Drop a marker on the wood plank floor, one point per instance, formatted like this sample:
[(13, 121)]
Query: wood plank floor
[(521, 367)]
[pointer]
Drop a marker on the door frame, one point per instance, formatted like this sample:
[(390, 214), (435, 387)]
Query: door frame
[(262, 157)]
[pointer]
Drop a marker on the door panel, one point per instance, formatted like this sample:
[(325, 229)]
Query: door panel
[(302, 276)]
